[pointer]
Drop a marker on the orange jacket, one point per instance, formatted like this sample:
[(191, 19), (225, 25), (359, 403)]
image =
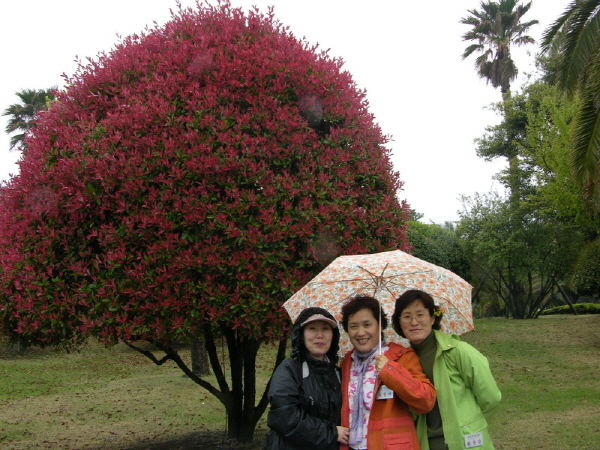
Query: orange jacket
[(391, 423)]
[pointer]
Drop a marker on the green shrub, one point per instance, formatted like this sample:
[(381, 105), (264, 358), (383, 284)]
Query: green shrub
[(581, 308), (586, 276)]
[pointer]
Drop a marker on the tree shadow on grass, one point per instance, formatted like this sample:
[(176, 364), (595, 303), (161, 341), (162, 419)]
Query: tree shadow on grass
[(191, 441)]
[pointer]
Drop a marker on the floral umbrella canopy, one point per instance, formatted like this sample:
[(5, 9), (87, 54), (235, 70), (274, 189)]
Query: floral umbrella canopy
[(385, 276)]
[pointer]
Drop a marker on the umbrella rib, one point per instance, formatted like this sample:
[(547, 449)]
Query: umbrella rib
[(372, 274), (373, 277), (377, 280), (339, 281)]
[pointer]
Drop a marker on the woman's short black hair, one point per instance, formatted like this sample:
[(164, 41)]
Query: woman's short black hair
[(363, 302), (406, 299)]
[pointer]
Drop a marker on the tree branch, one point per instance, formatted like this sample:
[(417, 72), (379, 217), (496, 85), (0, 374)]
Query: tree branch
[(211, 348), (148, 354), (172, 355), (198, 380)]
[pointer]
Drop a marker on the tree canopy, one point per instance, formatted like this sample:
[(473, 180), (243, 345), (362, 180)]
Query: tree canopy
[(586, 273), (522, 252), (525, 248), (495, 28), (438, 245), (536, 130), (186, 184), (574, 38)]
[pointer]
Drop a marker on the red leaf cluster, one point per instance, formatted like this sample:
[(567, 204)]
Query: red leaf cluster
[(201, 171)]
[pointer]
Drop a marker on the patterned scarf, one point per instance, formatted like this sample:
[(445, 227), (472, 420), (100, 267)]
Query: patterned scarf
[(360, 364)]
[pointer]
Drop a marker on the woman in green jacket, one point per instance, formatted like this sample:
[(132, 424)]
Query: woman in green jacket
[(467, 394)]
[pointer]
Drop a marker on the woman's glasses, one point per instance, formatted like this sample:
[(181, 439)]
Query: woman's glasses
[(421, 317)]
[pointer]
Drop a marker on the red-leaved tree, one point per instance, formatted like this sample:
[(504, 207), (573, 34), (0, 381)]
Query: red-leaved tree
[(186, 184)]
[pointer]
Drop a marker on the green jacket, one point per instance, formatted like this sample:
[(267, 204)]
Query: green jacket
[(466, 391)]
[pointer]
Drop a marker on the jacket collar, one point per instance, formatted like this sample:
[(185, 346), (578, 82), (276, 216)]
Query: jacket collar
[(394, 351), (445, 341)]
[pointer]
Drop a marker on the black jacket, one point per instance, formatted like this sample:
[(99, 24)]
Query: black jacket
[(305, 396), (304, 417)]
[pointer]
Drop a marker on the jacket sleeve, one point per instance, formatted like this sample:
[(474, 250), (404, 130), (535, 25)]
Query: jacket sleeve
[(406, 378), (475, 371), (287, 415)]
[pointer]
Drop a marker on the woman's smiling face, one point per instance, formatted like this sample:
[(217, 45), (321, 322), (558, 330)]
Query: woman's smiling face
[(416, 322), (363, 330), (317, 338)]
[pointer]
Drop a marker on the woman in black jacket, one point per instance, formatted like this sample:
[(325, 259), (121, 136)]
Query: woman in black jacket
[(305, 392)]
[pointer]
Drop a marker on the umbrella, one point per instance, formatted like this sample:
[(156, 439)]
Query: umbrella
[(385, 276)]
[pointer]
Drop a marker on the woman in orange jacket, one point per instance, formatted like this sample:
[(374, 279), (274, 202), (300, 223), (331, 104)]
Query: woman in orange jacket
[(378, 389)]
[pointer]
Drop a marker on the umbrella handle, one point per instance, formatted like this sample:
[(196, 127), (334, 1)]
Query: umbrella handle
[(380, 330)]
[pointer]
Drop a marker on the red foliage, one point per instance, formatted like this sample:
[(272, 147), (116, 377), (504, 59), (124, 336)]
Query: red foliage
[(204, 170)]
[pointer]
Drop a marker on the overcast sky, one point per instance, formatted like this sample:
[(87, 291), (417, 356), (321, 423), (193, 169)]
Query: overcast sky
[(406, 54)]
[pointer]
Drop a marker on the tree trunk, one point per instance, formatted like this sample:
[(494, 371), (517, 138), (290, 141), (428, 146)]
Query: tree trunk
[(513, 159), (20, 347), (241, 428), (199, 353), (514, 182), (243, 413), (475, 294), (565, 296)]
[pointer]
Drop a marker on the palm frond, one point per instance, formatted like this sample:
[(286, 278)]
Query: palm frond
[(484, 71), (525, 8), (484, 59), (471, 20), (522, 40), (575, 38), (470, 49), (552, 32), (16, 141), (524, 26), (585, 153), (584, 156), (578, 44)]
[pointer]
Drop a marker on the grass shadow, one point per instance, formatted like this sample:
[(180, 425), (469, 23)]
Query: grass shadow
[(215, 440)]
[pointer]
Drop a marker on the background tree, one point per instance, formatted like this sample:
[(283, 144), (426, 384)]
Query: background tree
[(549, 127), (21, 114), (438, 245), (508, 139), (185, 185), (586, 273), (537, 128), (540, 123), (575, 39), (523, 253), (496, 27)]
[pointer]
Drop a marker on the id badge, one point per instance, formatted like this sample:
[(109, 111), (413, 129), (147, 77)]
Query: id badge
[(473, 440), (384, 392)]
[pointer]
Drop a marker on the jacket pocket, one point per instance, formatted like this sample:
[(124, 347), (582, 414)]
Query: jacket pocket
[(475, 426), (398, 441), (310, 406)]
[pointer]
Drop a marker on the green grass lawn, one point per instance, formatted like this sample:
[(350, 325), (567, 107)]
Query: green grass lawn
[(547, 370)]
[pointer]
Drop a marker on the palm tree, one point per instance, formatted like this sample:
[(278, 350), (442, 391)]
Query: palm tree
[(575, 39), (22, 114), (496, 27)]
